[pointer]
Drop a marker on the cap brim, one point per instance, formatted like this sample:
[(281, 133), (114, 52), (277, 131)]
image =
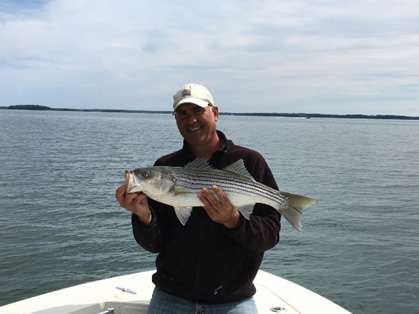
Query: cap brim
[(191, 100)]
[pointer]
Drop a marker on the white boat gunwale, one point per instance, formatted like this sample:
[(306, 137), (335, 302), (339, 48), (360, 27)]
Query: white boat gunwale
[(131, 293)]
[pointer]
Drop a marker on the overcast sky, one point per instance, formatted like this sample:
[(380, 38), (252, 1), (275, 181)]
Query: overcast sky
[(288, 56)]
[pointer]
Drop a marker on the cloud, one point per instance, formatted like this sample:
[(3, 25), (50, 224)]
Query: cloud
[(283, 56)]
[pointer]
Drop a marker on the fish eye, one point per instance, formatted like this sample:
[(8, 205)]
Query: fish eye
[(146, 174)]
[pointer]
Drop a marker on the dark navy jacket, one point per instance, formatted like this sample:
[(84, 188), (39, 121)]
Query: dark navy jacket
[(204, 260)]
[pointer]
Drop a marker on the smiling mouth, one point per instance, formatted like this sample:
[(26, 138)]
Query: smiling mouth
[(194, 129)]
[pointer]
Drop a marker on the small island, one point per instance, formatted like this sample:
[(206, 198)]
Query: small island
[(29, 107)]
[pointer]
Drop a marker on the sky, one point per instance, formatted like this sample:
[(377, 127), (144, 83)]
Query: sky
[(288, 56)]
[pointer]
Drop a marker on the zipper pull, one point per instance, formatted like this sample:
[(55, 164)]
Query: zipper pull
[(216, 290)]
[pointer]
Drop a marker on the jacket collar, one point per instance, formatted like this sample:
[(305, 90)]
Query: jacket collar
[(226, 146)]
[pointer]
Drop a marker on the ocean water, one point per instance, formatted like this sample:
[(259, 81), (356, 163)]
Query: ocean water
[(60, 224)]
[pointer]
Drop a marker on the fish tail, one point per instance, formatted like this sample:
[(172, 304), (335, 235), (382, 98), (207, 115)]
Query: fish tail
[(297, 204)]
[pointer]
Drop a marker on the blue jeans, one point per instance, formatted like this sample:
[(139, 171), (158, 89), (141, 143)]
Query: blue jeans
[(164, 303)]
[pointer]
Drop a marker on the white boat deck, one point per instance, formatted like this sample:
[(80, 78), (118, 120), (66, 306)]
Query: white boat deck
[(274, 295)]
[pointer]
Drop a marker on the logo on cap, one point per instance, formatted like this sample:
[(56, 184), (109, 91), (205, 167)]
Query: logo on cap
[(186, 92)]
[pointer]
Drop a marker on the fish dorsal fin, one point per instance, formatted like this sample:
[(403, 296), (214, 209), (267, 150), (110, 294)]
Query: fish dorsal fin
[(198, 164), (239, 168)]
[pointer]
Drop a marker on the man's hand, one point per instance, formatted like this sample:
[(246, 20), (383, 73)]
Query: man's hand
[(219, 207), (136, 203)]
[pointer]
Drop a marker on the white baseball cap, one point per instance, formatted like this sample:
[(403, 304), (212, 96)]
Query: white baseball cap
[(194, 94)]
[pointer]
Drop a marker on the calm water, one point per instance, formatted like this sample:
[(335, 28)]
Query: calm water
[(60, 224)]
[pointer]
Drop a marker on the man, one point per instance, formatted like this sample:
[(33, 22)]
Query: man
[(208, 265)]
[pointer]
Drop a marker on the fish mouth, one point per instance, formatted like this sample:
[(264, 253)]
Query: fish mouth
[(132, 182)]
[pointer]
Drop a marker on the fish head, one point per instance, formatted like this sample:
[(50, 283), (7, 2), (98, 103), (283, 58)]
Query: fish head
[(153, 181)]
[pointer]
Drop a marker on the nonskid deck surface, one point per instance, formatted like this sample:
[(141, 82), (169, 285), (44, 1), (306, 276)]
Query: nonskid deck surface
[(131, 294)]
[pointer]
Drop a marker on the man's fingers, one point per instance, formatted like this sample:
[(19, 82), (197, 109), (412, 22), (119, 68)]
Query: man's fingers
[(208, 198), (222, 197), (120, 191)]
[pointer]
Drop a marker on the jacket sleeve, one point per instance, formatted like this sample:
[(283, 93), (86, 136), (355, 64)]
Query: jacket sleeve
[(149, 237), (261, 232)]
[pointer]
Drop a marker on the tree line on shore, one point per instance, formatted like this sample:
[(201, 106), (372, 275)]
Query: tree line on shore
[(260, 114)]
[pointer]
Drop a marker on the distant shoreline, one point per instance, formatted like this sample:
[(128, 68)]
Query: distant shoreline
[(258, 114)]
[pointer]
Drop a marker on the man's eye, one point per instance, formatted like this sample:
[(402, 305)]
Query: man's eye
[(181, 113), (197, 110)]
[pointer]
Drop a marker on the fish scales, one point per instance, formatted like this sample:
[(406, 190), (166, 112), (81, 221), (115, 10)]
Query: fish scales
[(195, 180), (196, 183)]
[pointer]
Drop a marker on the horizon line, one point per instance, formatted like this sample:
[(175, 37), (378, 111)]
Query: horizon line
[(267, 114)]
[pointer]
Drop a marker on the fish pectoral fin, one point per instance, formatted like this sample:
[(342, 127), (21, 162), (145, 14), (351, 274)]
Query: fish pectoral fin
[(183, 214), (179, 191), (246, 210)]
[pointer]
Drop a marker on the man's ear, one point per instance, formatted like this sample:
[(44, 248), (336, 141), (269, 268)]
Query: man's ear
[(215, 111)]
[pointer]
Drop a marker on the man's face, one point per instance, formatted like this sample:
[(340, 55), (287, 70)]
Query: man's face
[(196, 124)]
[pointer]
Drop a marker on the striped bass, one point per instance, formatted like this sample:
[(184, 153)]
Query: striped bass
[(179, 187)]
